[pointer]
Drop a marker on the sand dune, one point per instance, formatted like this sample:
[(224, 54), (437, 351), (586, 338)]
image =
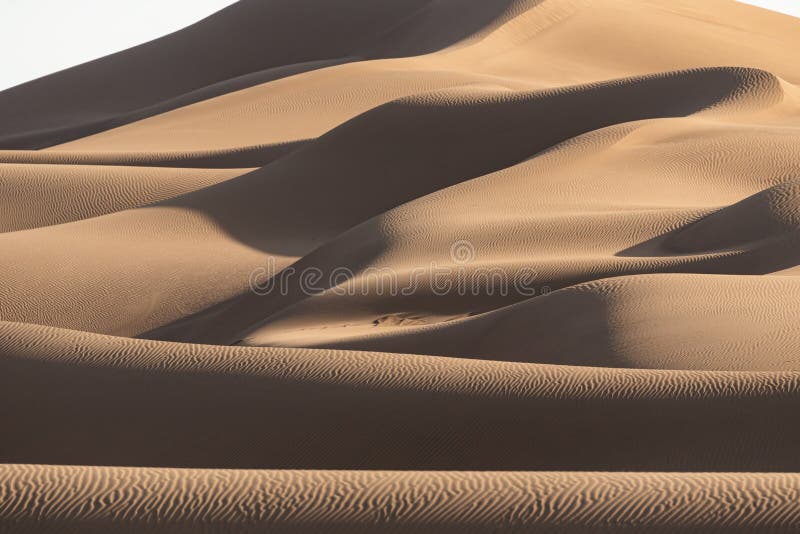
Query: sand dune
[(32, 195), (135, 402), (416, 265), (172, 500), (654, 322)]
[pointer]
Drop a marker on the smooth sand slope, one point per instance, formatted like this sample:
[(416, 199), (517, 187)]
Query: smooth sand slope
[(416, 265)]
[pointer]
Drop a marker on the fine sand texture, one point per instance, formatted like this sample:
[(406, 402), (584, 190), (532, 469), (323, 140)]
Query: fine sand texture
[(408, 266)]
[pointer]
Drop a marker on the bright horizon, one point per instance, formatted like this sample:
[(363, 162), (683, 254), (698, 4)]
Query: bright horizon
[(790, 7), (77, 31), (82, 30)]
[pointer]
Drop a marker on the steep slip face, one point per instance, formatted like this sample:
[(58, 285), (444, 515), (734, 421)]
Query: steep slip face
[(566, 238)]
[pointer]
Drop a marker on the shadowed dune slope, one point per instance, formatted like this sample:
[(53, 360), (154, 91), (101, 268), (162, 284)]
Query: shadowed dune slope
[(408, 265), (268, 46), (72, 103), (135, 402)]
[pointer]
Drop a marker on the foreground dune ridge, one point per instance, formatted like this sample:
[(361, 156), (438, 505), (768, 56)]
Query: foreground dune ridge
[(634, 162), (171, 500)]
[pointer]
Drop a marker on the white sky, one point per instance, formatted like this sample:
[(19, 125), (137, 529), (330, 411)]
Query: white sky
[(792, 7), (38, 37)]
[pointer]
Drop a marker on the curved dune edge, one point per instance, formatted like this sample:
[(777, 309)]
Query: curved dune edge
[(653, 321), (90, 499), (237, 157), (86, 399), (37, 195)]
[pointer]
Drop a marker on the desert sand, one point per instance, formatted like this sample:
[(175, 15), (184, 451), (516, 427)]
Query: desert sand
[(408, 266)]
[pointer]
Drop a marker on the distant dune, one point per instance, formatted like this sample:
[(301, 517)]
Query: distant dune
[(408, 266)]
